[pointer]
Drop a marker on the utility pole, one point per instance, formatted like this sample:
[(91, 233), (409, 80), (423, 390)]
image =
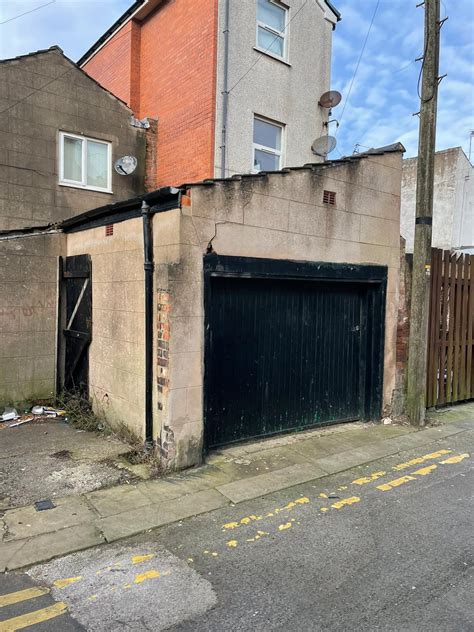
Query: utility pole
[(420, 296)]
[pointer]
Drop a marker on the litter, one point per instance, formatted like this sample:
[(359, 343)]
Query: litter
[(37, 410), (43, 505), (9, 414)]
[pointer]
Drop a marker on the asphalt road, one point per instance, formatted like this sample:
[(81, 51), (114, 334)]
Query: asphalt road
[(385, 547)]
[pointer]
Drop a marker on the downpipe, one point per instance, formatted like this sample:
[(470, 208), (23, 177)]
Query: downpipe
[(149, 267)]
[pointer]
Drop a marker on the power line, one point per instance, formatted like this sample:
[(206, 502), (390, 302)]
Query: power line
[(15, 17), (268, 48), (358, 63)]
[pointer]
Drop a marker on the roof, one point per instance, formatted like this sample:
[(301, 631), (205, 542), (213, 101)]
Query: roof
[(167, 198), (140, 9), (56, 49)]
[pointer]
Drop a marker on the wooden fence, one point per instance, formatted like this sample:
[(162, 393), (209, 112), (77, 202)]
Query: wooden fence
[(451, 329)]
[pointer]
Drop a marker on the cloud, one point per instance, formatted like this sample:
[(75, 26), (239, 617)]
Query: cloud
[(384, 93)]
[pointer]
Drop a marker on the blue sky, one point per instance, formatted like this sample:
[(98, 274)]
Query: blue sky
[(384, 94)]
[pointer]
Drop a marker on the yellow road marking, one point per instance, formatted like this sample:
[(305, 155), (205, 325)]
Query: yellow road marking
[(346, 501), (368, 479), (385, 487), (455, 459), (22, 595), (142, 577), (138, 559), (62, 583), (32, 618), (232, 544), (425, 470), (421, 459), (285, 526)]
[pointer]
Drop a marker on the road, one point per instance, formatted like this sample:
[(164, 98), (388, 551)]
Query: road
[(384, 547)]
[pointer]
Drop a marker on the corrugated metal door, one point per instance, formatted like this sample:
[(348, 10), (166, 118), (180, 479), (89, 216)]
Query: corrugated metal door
[(283, 354)]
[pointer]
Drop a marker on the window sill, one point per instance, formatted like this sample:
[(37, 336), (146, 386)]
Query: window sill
[(269, 54), (85, 188)]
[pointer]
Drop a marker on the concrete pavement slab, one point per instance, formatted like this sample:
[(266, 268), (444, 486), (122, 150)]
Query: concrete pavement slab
[(25, 522), (352, 458), (48, 545), (157, 515), (108, 502), (256, 486)]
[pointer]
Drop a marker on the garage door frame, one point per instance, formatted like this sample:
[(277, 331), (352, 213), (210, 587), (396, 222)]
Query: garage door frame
[(373, 277)]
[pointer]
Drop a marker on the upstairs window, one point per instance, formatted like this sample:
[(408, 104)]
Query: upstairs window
[(85, 163), (271, 25), (267, 145)]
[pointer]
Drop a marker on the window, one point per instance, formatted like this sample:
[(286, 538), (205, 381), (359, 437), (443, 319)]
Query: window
[(267, 145), (85, 163), (271, 26)]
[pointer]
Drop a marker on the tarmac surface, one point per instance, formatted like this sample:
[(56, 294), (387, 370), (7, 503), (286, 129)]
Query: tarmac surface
[(387, 546)]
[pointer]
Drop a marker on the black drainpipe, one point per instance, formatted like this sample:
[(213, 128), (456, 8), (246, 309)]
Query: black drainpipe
[(149, 268)]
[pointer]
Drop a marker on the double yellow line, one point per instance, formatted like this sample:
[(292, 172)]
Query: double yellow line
[(31, 618)]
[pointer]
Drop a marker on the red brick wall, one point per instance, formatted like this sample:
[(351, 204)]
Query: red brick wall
[(173, 79), (112, 65)]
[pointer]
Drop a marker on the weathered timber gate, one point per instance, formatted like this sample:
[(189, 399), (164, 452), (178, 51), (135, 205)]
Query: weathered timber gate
[(75, 323), (290, 345), (451, 329)]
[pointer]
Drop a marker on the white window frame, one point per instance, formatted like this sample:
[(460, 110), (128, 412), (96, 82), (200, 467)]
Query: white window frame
[(283, 34), (83, 184), (269, 150)]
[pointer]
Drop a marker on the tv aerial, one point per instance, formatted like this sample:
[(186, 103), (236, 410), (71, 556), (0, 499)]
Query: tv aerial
[(126, 165), (324, 145)]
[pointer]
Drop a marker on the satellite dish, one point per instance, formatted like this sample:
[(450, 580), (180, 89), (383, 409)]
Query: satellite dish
[(330, 99), (126, 165), (323, 145)]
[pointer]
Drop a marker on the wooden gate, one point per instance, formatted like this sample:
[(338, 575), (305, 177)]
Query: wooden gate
[(76, 323), (451, 329)]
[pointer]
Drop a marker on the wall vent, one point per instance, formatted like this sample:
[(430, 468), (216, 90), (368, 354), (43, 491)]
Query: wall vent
[(329, 197), (109, 230)]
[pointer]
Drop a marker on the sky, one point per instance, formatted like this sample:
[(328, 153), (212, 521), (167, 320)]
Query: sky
[(379, 108)]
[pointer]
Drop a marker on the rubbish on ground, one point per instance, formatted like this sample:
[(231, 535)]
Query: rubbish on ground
[(37, 410), (387, 421), (23, 420), (9, 414), (43, 505)]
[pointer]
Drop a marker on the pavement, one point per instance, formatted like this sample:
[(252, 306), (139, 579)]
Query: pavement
[(53, 459), (383, 546), (229, 478)]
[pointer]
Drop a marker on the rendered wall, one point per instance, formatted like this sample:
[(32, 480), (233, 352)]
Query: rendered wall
[(285, 92), (28, 308), (279, 217), (453, 205), (61, 98), (116, 353)]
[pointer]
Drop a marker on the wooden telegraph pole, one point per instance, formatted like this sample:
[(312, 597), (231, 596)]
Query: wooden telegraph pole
[(417, 346)]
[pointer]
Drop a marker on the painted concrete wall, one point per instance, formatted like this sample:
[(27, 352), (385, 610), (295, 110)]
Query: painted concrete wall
[(285, 92), (28, 304), (116, 353), (453, 208), (59, 97), (279, 217)]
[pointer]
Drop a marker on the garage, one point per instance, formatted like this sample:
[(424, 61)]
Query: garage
[(290, 345)]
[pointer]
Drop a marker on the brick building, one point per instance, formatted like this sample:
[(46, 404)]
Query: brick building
[(235, 85)]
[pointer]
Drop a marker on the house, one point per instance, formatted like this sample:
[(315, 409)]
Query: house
[(235, 85), (60, 133), (453, 204), (222, 310)]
